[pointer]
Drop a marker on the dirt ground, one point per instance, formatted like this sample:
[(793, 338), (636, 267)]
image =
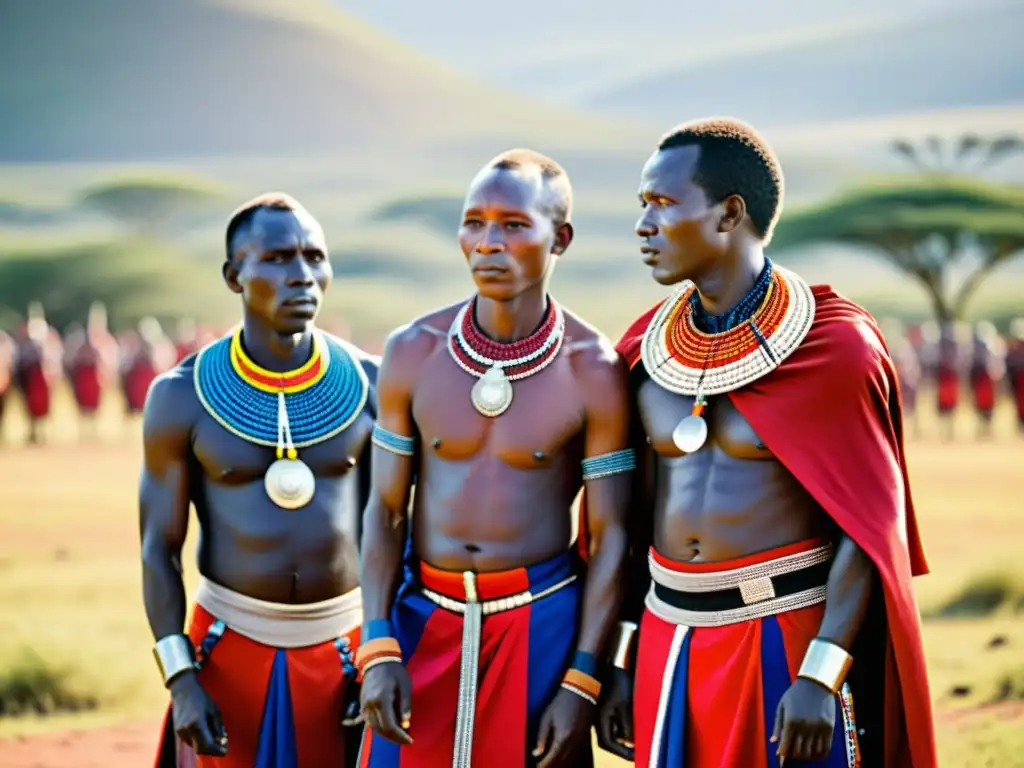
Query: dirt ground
[(131, 744)]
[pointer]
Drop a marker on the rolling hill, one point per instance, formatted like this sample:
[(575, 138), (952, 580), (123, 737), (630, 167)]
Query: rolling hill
[(963, 58), (126, 79)]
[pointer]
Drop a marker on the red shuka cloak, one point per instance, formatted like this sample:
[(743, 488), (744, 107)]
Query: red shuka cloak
[(831, 413)]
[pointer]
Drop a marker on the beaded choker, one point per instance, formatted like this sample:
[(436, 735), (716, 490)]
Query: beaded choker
[(688, 361), (286, 411), (743, 311), (497, 365)]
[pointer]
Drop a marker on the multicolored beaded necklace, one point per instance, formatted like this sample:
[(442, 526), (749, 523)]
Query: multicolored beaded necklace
[(689, 352), (497, 365), (286, 411)]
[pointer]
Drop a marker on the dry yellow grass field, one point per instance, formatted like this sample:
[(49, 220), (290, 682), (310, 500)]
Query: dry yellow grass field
[(70, 595)]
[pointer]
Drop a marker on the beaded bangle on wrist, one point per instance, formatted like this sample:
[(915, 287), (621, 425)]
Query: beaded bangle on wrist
[(378, 649), (579, 678), (826, 664)]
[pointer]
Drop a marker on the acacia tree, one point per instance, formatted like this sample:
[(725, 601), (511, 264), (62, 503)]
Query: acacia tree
[(147, 204), (929, 227)]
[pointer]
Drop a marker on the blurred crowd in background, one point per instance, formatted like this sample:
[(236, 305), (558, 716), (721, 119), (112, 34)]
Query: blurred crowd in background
[(944, 368)]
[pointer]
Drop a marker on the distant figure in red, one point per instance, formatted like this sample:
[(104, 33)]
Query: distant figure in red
[(948, 368), (190, 338), (1015, 367), (6, 371), (988, 364), (150, 356), (37, 367), (906, 356), (90, 360)]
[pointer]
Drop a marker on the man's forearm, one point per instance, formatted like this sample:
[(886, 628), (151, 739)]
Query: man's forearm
[(850, 583), (603, 591), (163, 591), (381, 561)]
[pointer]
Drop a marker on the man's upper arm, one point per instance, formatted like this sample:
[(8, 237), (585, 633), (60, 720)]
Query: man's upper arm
[(164, 485), (405, 351), (603, 377)]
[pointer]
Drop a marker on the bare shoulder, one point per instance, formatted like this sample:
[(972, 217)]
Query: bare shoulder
[(599, 369), (369, 362), (409, 345), (171, 403)]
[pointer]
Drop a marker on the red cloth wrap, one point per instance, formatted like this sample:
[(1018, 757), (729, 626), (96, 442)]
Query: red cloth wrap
[(237, 676), (984, 390), (36, 388), (87, 382), (831, 413), (136, 383), (949, 389)]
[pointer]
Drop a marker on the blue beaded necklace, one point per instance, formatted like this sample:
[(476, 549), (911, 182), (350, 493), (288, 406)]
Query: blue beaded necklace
[(743, 311), (314, 414)]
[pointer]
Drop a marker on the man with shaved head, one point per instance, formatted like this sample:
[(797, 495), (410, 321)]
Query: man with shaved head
[(481, 624), (266, 432)]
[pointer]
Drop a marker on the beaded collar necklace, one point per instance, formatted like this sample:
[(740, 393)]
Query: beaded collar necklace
[(497, 365), (286, 411), (743, 311), (681, 357)]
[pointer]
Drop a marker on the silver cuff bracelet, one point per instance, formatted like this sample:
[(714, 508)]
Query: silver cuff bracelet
[(174, 654)]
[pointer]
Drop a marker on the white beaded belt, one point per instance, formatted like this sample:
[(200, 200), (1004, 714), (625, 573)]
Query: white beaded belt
[(473, 611), (498, 605), (753, 581)]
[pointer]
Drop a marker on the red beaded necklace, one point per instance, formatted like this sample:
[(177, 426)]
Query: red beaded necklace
[(497, 364)]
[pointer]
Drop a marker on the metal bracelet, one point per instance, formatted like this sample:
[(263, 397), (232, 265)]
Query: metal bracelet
[(624, 633), (826, 664), (174, 655)]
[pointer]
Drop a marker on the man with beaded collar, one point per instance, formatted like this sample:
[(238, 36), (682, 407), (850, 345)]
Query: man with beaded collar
[(500, 408), (267, 433), (773, 537)]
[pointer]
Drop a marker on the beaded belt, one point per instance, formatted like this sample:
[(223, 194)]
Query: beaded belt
[(473, 611), (718, 598)]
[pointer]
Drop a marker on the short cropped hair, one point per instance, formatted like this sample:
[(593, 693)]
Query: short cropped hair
[(246, 211), (554, 176), (734, 160)]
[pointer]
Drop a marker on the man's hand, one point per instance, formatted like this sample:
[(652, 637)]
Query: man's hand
[(197, 720), (615, 717), (387, 701), (804, 721), (564, 727)]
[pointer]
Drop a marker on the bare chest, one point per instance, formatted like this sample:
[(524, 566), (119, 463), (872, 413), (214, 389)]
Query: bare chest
[(728, 430), (544, 416), (232, 460)]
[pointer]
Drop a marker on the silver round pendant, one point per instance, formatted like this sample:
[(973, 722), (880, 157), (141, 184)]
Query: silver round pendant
[(289, 483), (690, 433), (492, 394)]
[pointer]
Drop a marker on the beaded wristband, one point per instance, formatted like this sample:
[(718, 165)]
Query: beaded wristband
[(606, 464), (583, 685), (392, 441), (382, 650)]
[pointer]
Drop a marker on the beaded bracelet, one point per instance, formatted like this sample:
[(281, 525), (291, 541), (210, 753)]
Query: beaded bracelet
[(383, 650), (579, 678), (607, 464)]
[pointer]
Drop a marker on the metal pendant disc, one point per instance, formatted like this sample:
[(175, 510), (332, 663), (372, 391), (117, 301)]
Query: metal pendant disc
[(492, 394), (690, 434), (289, 483)]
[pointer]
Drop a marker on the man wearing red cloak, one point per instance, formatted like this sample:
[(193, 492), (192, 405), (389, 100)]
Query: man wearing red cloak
[(774, 536)]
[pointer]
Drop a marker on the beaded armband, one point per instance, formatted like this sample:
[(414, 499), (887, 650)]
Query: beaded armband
[(391, 441), (612, 463), (579, 678), (826, 664), (376, 646)]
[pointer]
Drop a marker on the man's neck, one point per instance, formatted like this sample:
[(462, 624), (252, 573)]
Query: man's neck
[(722, 289), (275, 351), (512, 320)]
